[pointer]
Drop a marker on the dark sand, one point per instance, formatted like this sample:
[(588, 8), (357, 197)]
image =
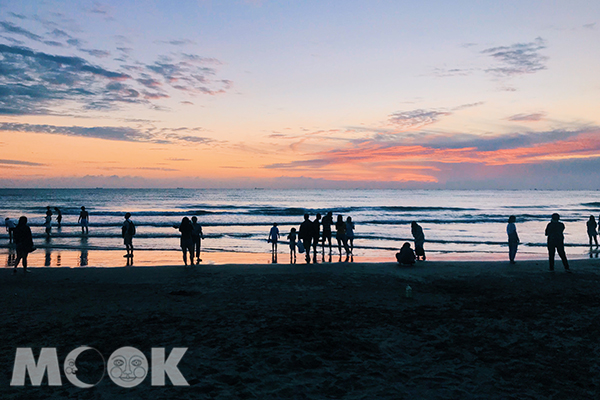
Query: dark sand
[(472, 330)]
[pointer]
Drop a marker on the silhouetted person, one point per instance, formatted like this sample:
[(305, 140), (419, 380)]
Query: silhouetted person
[(316, 235), (305, 234), (350, 234), (58, 216), (128, 232), (292, 238), (513, 238), (340, 235), (10, 228), (24, 243), (84, 220), (556, 241), (591, 230), (48, 221), (197, 236), (273, 237), (326, 223), (186, 242), (419, 236), (406, 256)]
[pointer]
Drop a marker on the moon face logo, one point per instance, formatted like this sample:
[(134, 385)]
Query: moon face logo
[(70, 367), (127, 367)]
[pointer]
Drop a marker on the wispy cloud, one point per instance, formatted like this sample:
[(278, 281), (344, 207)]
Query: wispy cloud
[(14, 29), (19, 162), (118, 133), (527, 117), (518, 58), (415, 119), (19, 16), (38, 82), (176, 42), (190, 75)]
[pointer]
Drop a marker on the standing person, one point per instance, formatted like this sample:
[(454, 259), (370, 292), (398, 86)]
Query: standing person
[(350, 234), (556, 242), (58, 216), (186, 242), (24, 243), (84, 220), (316, 235), (48, 222), (419, 236), (197, 235), (306, 234), (513, 238), (273, 237), (591, 230), (340, 235), (326, 223), (10, 228), (292, 238), (128, 232)]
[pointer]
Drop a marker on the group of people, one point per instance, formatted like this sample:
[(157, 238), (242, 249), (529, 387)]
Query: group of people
[(83, 221), (406, 255), (556, 240), (554, 233), (191, 237), (310, 234)]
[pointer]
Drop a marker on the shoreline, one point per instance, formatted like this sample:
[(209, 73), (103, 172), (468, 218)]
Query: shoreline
[(432, 268), (90, 257)]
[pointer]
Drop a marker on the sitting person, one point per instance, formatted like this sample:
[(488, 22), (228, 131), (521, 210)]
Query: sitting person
[(406, 256)]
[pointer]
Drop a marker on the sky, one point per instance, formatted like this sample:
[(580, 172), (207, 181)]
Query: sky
[(300, 94)]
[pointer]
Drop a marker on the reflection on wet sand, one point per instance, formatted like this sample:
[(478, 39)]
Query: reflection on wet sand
[(12, 256), (48, 253), (83, 256)]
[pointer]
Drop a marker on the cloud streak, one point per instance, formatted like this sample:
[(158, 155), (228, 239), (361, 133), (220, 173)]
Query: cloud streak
[(19, 162), (124, 134), (415, 119), (527, 117)]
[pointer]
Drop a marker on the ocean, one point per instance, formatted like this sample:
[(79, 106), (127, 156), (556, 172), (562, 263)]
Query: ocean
[(458, 224)]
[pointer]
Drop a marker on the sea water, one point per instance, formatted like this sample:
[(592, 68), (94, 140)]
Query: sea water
[(458, 224)]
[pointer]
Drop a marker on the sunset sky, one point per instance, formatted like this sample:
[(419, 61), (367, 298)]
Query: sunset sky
[(282, 94)]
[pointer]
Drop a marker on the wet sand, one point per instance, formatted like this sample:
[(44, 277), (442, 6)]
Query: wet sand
[(472, 330)]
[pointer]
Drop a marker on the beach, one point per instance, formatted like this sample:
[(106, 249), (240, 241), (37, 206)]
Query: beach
[(486, 330)]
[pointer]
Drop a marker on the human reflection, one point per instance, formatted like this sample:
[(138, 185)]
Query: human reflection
[(274, 257), (48, 257), (129, 261), (12, 256), (83, 256), (48, 252)]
